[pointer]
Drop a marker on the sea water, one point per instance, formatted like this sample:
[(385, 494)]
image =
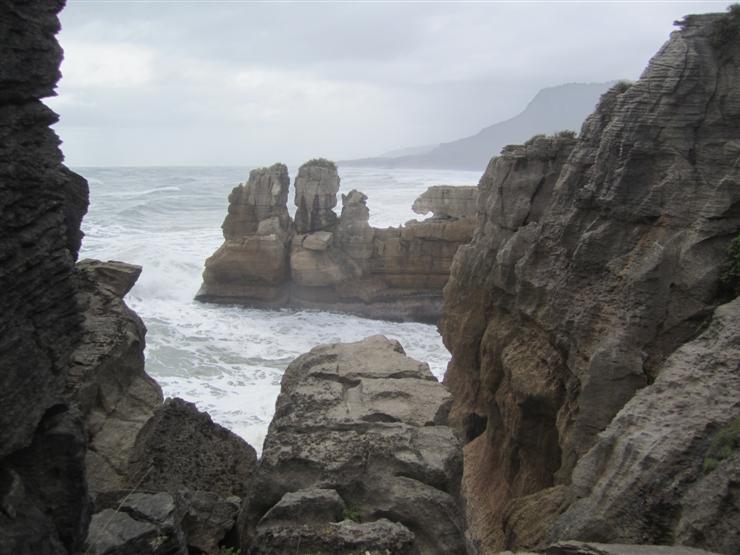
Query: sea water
[(229, 360)]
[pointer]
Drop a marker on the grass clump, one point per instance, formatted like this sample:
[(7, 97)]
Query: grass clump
[(321, 163), (229, 551), (726, 441), (351, 513), (727, 28)]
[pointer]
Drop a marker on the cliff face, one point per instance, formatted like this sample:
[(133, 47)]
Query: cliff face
[(42, 204), (334, 263), (593, 260)]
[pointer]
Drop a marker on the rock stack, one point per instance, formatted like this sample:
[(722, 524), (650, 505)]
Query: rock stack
[(336, 263)]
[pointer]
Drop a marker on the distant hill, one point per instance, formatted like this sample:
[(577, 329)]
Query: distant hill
[(552, 109)]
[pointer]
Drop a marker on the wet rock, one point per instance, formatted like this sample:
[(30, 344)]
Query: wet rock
[(583, 548), (182, 448), (252, 263), (368, 422)]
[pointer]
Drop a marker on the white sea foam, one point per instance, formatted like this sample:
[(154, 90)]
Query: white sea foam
[(229, 360)]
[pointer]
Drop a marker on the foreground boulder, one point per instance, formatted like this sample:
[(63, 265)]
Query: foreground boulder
[(358, 458), (342, 263), (594, 261), (181, 447)]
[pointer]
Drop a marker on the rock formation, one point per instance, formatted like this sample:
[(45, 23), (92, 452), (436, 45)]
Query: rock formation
[(316, 189), (106, 378), (340, 263), (43, 494), (358, 457), (594, 260), (253, 261), (447, 201)]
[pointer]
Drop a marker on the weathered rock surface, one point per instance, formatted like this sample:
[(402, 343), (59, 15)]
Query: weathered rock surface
[(583, 548), (593, 261), (142, 523), (42, 204), (316, 187), (107, 379), (359, 429), (344, 264), (647, 476), (448, 201), (181, 447), (253, 260)]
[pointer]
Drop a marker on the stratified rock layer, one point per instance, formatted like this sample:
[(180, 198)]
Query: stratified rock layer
[(447, 201), (339, 264), (594, 259), (359, 433), (107, 379), (43, 494)]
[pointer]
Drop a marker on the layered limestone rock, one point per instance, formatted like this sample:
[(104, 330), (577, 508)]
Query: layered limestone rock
[(252, 262), (447, 201), (593, 261), (316, 187), (346, 265), (43, 493), (358, 458), (107, 379)]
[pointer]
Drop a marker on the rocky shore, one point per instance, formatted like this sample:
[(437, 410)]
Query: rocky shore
[(326, 262), (592, 405)]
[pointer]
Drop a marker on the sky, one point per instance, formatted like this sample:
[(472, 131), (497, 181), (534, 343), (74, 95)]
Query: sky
[(158, 83)]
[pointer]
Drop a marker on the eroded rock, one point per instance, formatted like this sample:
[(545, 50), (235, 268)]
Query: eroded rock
[(363, 426), (448, 201), (316, 187)]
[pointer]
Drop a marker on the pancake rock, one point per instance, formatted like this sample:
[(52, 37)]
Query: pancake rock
[(594, 260), (358, 457), (253, 260), (447, 201), (43, 493), (107, 379), (342, 263), (316, 187)]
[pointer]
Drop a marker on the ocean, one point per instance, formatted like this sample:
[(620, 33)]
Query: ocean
[(229, 360)]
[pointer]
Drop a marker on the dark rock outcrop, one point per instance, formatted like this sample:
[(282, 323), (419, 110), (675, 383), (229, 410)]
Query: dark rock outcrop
[(594, 260), (181, 447), (359, 434), (43, 495), (342, 264)]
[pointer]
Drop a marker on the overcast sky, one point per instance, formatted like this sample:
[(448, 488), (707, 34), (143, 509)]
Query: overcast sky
[(245, 83)]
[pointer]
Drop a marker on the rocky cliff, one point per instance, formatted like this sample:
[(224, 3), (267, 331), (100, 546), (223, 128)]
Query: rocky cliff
[(594, 262), (334, 263), (42, 204)]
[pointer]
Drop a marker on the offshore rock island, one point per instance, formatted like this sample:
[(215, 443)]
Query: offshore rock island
[(592, 404), (326, 262)]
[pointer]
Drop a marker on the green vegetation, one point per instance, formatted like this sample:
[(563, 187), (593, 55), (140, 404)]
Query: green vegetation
[(351, 513), (726, 441), (622, 86), (229, 551), (727, 28), (729, 279), (566, 134), (320, 162)]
